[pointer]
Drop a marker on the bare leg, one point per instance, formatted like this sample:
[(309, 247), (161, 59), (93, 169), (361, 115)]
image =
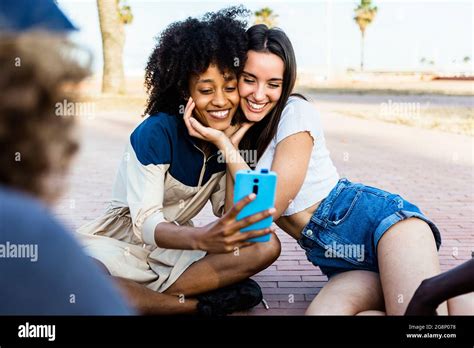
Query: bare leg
[(218, 270), (212, 272), (371, 312), (348, 293), (147, 301), (461, 305), (407, 255)]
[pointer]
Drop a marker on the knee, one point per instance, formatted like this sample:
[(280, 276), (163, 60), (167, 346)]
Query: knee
[(269, 251), (336, 306), (371, 312)]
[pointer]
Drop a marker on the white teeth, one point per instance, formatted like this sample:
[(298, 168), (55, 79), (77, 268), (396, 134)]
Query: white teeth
[(219, 114), (256, 106)]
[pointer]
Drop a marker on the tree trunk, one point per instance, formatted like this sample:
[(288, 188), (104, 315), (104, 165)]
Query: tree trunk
[(362, 51), (113, 39)]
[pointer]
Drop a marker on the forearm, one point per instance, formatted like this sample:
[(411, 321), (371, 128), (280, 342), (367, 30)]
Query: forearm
[(234, 163), (171, 236), (229, 191), (234, 160)]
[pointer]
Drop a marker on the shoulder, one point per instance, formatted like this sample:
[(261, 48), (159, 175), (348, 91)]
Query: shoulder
[(153, 139), (13, 205), (299, 107), (154, 127), (299, 115)]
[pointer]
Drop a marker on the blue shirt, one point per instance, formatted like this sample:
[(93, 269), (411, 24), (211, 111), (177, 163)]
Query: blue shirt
[(43, 271)]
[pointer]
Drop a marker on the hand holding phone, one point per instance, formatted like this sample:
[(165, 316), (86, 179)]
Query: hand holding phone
[(263, 184)]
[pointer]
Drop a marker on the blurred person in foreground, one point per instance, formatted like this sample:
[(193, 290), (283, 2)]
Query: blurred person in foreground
[(43, 271)]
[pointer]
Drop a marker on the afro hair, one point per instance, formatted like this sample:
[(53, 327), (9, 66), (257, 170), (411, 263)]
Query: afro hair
[(187, 49)]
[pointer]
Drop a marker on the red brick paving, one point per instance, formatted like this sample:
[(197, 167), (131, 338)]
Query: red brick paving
[(429, 168)]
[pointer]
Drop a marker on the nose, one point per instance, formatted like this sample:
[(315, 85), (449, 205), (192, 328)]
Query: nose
[(259, 94), (219, 99)]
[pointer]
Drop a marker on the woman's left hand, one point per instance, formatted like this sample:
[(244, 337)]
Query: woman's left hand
[(197, 130), (237, 132)]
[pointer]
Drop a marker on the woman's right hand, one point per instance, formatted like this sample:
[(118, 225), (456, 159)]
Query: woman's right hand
[(224, 234)]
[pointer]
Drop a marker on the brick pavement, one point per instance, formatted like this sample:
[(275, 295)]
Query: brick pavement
[(430, 168)]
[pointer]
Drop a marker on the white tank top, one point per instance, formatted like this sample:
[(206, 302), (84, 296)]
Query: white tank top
[(300, 115)]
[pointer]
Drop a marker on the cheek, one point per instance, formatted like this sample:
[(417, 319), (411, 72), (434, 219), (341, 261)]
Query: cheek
[(200, 106), (245, 90), (275, 95), (234, 98)]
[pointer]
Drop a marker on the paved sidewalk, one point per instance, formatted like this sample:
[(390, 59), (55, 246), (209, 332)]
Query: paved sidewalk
[(429, 168)]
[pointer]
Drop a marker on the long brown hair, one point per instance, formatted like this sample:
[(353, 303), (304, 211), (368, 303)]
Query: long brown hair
[(270, 40)]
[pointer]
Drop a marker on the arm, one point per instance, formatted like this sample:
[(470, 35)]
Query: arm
[(435, 290), (290, 162), (219, 236), (227, 142), (171, 236), (229, 146), (229, 190), (234, 163), (145, 172)]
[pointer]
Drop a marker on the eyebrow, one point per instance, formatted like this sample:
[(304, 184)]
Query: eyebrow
[(226, 78), (206, 81), (275, 79)]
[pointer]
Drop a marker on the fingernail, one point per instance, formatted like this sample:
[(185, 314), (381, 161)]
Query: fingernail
[(271, 210), (252, 196)]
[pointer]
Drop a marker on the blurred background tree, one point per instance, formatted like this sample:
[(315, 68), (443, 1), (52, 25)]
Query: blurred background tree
[(113, 16), (266, 16), (364, 15)]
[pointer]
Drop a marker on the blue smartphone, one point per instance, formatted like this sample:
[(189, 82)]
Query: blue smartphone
[(263, 184)]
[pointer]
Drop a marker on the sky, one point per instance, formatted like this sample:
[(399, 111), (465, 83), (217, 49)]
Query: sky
[(325, 37)]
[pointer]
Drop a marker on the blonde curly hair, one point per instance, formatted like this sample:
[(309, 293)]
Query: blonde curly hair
[(37, 71)]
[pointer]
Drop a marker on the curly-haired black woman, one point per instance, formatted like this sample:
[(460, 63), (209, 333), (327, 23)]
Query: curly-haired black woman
[(146, 239)]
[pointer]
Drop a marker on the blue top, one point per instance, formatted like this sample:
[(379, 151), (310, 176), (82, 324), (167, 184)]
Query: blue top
[(164, 139), (43, 271)]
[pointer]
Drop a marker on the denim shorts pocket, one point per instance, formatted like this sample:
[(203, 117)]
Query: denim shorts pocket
[(304, 244), (343, 206)]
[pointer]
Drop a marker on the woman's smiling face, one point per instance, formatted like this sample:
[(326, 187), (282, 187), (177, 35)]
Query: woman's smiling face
[(215, 96), (260, 84)]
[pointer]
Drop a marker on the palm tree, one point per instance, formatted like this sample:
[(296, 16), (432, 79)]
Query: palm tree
[(112, 17), (266, 16), (364, 15)]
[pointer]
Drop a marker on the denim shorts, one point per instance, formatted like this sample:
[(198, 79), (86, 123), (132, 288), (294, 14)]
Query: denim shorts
[(344, 231)]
